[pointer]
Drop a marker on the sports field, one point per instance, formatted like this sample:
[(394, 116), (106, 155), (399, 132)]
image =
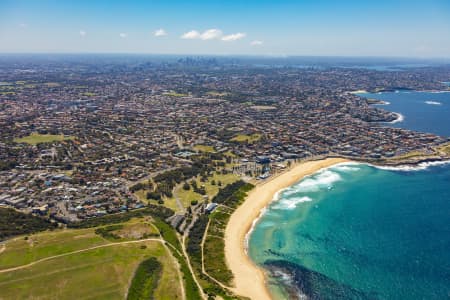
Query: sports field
[(36, 138)]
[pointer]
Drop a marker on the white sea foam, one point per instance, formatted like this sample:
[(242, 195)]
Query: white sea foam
[(345, 168), (400, 118), (290, 203), (418, 167), (287, 192), (433, 102), (249, 233), (324, 178)]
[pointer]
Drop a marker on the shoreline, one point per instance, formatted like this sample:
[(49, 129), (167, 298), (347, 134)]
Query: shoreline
[(400, 118), (249, 279)]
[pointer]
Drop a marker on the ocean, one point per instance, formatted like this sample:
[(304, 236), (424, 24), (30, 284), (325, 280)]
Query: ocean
[(355, 231), (422, 111)]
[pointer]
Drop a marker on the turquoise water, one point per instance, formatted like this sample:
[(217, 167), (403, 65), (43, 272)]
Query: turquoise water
[(422, 111), (358, 232)]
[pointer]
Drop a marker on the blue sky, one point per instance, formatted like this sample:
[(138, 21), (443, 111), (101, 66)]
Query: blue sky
[(328, 27)]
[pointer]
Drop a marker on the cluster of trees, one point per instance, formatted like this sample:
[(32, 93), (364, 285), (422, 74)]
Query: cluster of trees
[(13, 223), (168, 180), (195, 238), (229, 196), (198, 190), (164, 183), (154, 196), (141, 186), (145, 280), (152, 210)]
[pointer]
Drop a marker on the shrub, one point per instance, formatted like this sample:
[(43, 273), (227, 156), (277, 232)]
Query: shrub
[(145, 280)]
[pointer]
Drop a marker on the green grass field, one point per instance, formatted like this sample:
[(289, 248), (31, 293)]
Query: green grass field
[(246, 138), (100, 273), (175, 94), (409, 155), (19, 251), (217, 94), (36, 138), (103, 273), (444, 148), (204, 148)]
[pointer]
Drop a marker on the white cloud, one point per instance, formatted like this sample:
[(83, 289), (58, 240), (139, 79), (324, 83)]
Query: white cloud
[(191, 35), (256, 43), (83, 33), (211, 34), (23, 25), (160, 32), (123, 35), (233, 37)]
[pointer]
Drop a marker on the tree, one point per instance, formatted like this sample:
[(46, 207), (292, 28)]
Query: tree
[(153, 195), (186, 186)]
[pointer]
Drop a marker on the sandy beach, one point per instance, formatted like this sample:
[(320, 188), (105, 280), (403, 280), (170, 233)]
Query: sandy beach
[(358, 92), (249, 279)]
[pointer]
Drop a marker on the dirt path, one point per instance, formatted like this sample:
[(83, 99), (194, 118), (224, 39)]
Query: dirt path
[(190, 268), (78, 251), (180, 280), (177, 198)]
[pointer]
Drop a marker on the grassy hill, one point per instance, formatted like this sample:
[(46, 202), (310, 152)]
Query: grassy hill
[(80, 264)]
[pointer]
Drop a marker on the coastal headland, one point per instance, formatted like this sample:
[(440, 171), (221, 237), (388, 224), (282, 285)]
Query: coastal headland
[(248, 278)]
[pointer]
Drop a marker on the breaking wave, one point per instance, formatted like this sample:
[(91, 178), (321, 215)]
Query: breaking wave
[(433, 102), (346, 167), (418, 167), (323, 179), (290, 203), (400, 118)]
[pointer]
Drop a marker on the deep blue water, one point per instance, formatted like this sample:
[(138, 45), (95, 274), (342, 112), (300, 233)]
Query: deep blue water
[(359, 232), (422, 111)]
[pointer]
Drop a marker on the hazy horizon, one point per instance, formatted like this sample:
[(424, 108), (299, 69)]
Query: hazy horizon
[(407, 29)]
